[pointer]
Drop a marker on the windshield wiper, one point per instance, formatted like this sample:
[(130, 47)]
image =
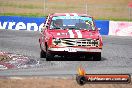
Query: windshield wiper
[(57, 28)]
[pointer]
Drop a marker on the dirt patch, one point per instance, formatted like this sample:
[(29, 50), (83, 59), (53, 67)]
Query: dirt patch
[(4, 58), (44, 82), (9, 61)]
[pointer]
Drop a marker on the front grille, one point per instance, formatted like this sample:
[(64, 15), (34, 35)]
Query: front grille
[(79, 42)]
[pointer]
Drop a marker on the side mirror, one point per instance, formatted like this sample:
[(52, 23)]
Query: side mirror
[(47, 25)]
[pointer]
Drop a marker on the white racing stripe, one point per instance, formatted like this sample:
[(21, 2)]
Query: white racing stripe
[(71, 34), (79, 33)]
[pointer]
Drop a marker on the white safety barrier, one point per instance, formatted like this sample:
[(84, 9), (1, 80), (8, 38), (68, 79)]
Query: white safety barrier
[(120, 28)]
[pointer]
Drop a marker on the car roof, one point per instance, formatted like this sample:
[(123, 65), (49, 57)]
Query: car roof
[(69, 14)]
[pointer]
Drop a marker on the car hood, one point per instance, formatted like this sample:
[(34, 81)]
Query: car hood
[(74, 33)]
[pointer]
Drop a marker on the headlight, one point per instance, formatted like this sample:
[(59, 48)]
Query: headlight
[(56, 41)]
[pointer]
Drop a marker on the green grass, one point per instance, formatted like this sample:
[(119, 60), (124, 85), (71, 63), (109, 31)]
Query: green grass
[(42, 15), (101, 10), (114, 19), (23, 14), (114, 10), (20, 6)]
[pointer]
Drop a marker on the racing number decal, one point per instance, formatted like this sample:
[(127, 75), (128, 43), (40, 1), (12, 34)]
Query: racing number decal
[(79, 34), (71, 34)]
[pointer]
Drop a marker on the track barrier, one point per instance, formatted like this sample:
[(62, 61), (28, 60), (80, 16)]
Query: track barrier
[(118, 28)]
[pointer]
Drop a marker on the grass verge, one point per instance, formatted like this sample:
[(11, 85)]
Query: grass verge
[(23, 14), (42, 15)]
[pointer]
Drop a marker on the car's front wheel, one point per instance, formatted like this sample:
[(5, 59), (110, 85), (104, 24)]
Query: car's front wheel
[(49, 56), (42, 54), (97, 57)]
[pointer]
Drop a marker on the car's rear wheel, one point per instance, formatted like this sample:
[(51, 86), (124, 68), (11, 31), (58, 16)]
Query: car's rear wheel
[(42, 54), (97, 57)]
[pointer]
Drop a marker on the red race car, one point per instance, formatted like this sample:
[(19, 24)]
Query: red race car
[(66, 34)]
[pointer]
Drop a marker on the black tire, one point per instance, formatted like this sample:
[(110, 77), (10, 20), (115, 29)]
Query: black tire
[(49, 57), (81, 80), (88, 57), (97, 57), (42, 54)]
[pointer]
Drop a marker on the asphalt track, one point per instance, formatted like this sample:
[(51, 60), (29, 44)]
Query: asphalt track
[(116, 56)]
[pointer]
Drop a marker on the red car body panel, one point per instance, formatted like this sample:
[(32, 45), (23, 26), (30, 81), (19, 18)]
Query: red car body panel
[(91, 40)]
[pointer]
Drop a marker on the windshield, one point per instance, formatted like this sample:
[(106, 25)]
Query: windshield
[(72, 22)]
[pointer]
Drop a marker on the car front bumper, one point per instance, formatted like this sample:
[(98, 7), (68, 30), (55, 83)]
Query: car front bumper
[(71, 49)]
